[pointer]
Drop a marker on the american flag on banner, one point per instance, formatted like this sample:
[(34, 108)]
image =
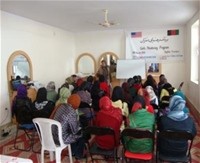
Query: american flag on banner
[(136, 34)]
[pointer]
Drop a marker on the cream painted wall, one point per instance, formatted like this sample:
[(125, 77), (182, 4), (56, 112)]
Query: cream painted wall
[(99, 42), (52, 52), (193, 92)]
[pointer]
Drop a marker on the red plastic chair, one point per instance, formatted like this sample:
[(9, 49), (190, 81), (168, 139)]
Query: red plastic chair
[(137, 133)]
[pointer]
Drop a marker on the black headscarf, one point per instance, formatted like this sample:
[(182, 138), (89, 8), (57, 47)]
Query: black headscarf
[(117, 94), (41, 95)]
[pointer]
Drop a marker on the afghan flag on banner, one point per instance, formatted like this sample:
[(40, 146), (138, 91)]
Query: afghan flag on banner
[(173, 32)]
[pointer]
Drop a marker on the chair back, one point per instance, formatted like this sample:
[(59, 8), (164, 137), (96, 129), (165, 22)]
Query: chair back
[(137, 133), (100, 131), (93, 147), (177, 135), (44, 128)]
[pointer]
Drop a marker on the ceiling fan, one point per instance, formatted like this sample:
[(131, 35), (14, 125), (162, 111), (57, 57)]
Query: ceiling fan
[(107, 23)]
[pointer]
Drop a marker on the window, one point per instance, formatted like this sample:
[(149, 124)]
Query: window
[(194, 51)]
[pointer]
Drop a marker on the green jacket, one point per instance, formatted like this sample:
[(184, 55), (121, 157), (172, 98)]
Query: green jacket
[(140, 119)]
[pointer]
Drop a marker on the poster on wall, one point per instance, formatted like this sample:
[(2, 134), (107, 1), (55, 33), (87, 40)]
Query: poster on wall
[(155, 46)]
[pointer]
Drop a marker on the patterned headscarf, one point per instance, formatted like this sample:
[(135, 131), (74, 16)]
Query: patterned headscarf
[(21, 91), (176, 106), (151, 92), (85, 96)]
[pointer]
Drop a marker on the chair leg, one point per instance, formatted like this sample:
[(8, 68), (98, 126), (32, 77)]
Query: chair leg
[(51, 153), (15, 141), (70, 153), (30, 140), (58, 156), (116, 155), (34, 138), (42, 155), (92, 158)]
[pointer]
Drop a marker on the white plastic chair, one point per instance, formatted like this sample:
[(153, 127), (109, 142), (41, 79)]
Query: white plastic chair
[(44, 129)]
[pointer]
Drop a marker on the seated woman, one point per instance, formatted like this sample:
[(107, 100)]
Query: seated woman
[(166, 92), (127, 96), (182, 95), (85, 110), (108, 116), (152, 95), (143, 93), (41, 106), (67, 116), (51, 92), (96, 94), (21, 106), (104, 85), (151, 82), (175, 120), (140, 118), (64, 94), (118, 102)]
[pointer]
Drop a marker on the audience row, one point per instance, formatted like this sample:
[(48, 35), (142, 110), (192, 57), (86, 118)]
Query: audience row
[(80, 103)]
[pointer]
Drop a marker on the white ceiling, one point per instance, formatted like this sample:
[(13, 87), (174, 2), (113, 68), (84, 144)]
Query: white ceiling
[(82, 16)]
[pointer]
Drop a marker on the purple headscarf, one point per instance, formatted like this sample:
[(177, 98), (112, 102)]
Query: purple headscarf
[(21, 91)]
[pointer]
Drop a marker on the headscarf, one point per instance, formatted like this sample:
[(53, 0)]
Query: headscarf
[(181, 94), (169, 88), (151, 92), (141, 100), (51, 86), (74, 100), (41, 99), (152, 95), (64, 95), (176, 106), (106, 107), (145, 94), (136, 106), (85, 96), (41, 95), (21, 91), (117, 94)]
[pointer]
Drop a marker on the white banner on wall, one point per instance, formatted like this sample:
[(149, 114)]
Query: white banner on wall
[(155, 45)]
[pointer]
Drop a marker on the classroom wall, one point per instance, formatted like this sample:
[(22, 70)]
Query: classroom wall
[(52, 52), (99, 42), (193, 89)]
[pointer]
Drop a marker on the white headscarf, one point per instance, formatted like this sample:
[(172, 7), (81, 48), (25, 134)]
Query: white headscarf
[(152, 94)]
